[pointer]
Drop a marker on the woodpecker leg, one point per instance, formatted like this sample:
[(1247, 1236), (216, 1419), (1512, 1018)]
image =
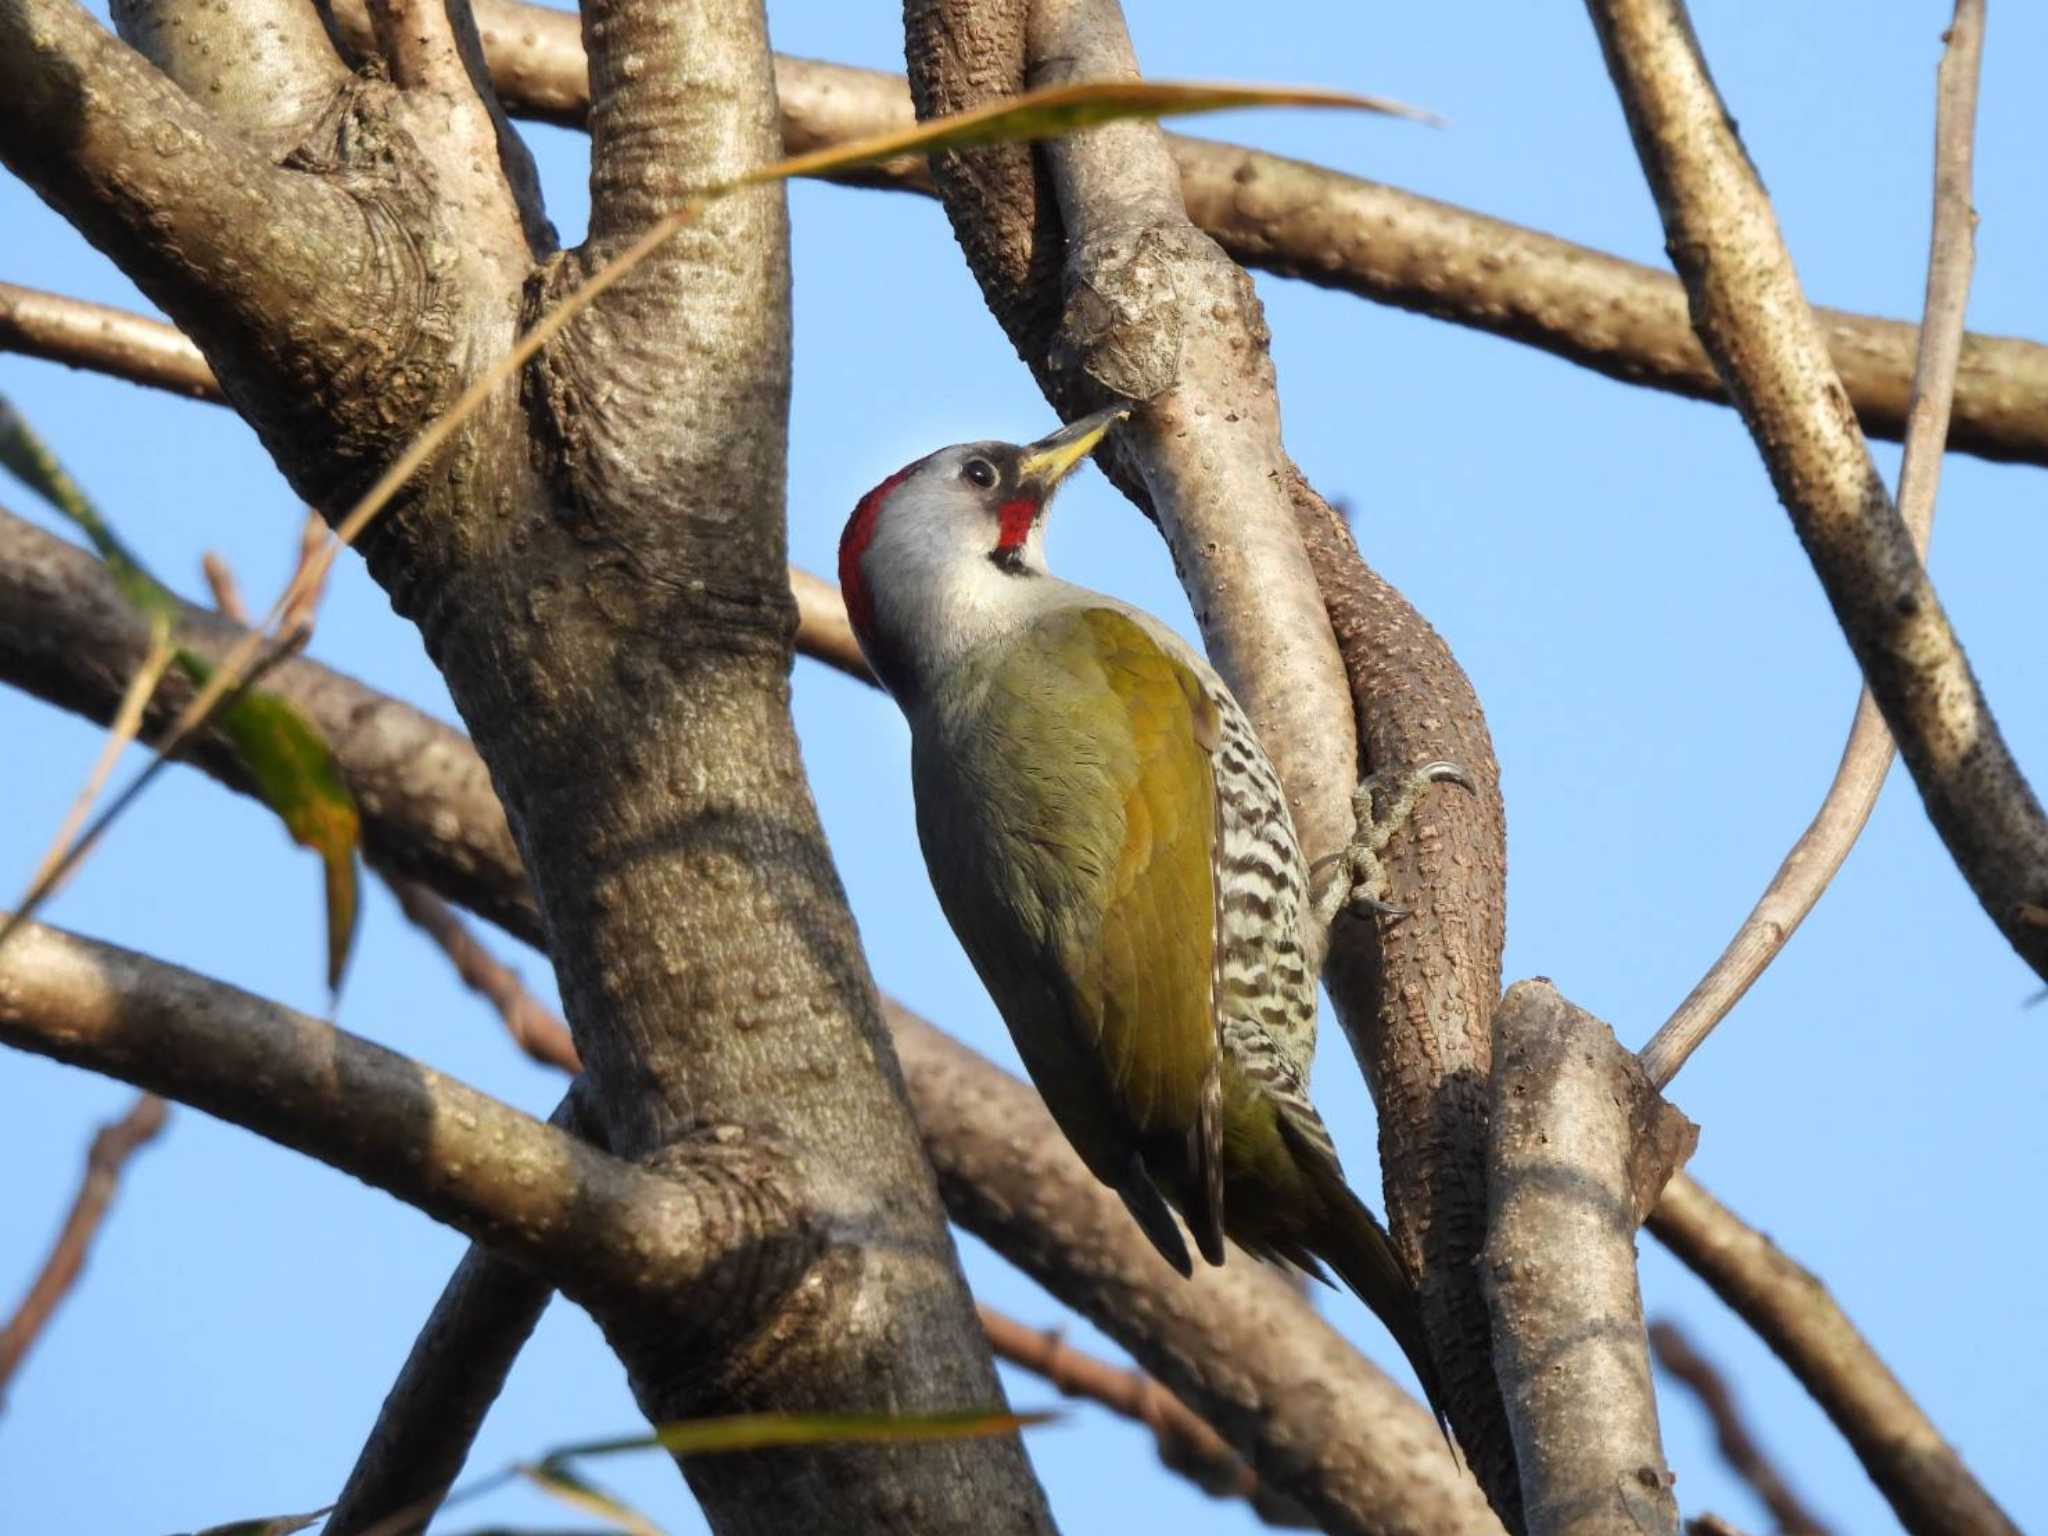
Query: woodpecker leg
[(1361, 878)]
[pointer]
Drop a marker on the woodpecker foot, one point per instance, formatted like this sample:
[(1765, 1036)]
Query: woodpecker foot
[(1361, 877)]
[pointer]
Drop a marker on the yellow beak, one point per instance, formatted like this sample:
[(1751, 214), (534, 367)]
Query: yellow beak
[(1049, 460)]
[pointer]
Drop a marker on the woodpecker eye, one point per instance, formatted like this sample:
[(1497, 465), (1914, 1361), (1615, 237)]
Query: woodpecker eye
[(979, 472)]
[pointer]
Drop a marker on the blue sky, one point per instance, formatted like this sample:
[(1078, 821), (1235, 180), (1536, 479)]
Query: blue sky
[(1666, 689)]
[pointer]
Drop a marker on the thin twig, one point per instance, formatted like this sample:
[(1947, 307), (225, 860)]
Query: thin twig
[(116, 1142), (1929, 1488), (1815, 858), (227, 592), (533, 1026), (1738, 1447), (1187, 1443), (127, 722), (297, 615)]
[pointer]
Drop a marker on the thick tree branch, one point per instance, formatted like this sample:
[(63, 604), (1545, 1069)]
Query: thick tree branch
[(1750, 313), (1746, 1459), (1581, 1147), (1314, 1420), (1867, 757), (115, 1142), (1422, 1037), (714, 1223), (263, 67), (1616, 317), (1930, 1489)]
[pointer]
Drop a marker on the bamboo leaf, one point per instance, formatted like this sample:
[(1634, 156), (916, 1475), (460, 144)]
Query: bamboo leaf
[(265, 1525), (757, 1431), (297, 777), (1061, 109), (559, 1482)]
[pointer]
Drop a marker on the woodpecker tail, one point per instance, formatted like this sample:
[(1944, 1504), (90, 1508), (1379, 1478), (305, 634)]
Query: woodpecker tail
[(1353, 1243)]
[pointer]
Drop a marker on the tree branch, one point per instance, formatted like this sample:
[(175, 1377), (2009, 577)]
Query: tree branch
[(1739, 1448), (606, 1232), (1315, 1421), (1750, 313), (116, 1142), (453, 1373), (262, 67), (1867, 757), (1617, 317), (1581, 1146), (1929, 1488)]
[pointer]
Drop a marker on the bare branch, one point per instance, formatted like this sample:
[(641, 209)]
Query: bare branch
[(1581, 1146), (1867, 757), (105, 340), (1930, 1489), (454, 1372), (1314, 1419), (532, 1026), (1749, 311), (116, 1142), (1186, 1443), (1616, 317), (1739, 1448), (601, 1229)]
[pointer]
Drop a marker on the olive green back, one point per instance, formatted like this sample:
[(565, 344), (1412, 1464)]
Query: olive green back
[(1067, 807)]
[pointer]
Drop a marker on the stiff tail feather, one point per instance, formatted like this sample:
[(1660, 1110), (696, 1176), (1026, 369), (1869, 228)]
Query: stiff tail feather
[(1354, 1244)]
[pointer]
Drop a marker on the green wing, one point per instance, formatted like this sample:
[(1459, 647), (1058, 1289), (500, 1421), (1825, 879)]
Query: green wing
[(1100, 863)]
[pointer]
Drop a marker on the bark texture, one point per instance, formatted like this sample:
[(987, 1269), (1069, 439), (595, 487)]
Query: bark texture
[(596, 565), (1581, 1148), (1087, 259)]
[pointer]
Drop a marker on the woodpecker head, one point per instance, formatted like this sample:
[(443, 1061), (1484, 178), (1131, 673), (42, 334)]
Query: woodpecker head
[(950, 548)]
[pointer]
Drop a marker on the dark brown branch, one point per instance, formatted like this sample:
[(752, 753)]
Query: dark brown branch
[(1617, 317), (1930, 1489), (1753, 318), (1581, 1146), (604, 1231), (531, 1024), (112, 1146), (1867, 757), (1738, 1447)]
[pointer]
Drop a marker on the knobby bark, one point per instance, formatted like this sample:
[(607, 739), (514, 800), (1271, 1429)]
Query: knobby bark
[(1582, 1147), (596, 565), (1085, 255)]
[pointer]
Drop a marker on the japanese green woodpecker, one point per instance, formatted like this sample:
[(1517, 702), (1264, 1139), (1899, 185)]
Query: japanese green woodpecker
[(1112, 847)]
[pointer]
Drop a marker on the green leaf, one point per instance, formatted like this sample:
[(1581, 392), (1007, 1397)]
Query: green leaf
[(296, 776), (37, 468), (756, 1431), (265, 1525), (1061, 109), (559, 1482)]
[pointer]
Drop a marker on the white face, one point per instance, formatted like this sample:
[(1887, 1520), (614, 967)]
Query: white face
[(942, 555)]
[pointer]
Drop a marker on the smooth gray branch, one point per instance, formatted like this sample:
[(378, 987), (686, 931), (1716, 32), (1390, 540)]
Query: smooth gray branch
[(1867, 757), (1753, 318), (1581, 1147), (1929, 1488)]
